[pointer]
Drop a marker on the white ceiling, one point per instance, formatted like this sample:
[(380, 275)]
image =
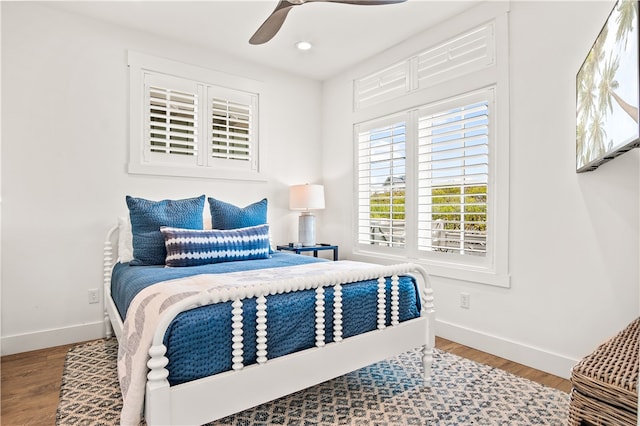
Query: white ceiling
[(342, 35)]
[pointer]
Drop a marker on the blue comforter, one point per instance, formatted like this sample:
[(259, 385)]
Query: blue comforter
[(198, 341)]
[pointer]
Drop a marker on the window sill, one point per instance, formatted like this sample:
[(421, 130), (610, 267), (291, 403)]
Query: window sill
[(196, 172), (438, 269)]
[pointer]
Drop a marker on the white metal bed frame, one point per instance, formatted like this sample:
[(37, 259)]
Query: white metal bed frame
[(214, 397)]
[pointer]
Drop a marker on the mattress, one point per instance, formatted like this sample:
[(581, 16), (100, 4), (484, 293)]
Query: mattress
[(198, 341)]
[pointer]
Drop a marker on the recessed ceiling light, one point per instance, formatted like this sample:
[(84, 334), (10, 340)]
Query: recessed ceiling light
[(303, 45)]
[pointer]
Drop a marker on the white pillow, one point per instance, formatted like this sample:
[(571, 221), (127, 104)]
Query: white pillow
[(125, 240), (206, 219)]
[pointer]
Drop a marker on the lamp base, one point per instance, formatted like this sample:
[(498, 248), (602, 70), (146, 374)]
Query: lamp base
[(307, 229)]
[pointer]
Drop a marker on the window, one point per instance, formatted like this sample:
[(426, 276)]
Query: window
[(452, 143), (453, 176), (381, 184), (184, 125), (171, 120), (231, 129), (232, 135), (432, 178)]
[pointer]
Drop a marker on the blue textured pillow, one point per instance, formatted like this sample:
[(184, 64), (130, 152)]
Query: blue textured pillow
[(148, 216), (228, 216), (187, 247)]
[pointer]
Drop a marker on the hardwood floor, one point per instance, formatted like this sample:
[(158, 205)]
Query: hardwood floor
[(504, 364), (30, 386), (30, 382)]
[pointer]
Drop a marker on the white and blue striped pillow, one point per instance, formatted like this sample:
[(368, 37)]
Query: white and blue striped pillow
[(191, 247)]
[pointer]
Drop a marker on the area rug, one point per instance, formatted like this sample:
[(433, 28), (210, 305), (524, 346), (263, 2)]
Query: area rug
[(390, 392)]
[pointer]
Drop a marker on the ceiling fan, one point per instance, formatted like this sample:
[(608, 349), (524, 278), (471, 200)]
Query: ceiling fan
[(272, 24)]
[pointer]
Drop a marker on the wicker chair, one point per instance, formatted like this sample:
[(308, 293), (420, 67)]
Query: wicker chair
[(605, 383)]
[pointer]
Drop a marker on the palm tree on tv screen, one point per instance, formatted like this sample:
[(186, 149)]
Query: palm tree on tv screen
[(603, 82)]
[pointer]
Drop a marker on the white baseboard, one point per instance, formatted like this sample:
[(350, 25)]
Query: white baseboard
[(530, 356), (549, 362), (53, 337)]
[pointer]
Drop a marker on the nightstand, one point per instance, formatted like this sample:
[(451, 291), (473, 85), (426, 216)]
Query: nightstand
[(314, 249)]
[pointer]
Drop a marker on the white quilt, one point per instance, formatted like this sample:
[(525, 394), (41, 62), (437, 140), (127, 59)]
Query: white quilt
[(148, 307)]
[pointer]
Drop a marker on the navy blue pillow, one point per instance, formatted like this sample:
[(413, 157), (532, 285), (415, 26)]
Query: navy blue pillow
[(228, 216), (190, 247), (148, 216)]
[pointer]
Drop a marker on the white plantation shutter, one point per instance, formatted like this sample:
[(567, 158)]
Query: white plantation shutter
[(467, 53), (461, 55), (381, 182), (453, 175), (233, 123), (171, 114), (230, 137), (191, 121), (381, 86)]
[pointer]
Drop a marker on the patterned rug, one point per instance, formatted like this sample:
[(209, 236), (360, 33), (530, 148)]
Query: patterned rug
[(390, 392)]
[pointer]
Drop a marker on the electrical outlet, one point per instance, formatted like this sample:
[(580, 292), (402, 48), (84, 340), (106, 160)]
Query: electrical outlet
[(465, 300), (94, 296)]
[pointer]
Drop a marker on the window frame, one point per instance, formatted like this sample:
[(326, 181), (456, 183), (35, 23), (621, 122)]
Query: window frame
[(493, 269), (206, 80)]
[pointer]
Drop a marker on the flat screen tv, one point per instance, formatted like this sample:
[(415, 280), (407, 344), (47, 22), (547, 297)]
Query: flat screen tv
[(607, 93)]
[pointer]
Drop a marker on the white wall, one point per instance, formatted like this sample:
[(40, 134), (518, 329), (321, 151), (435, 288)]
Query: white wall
[(573, 243), (573, 238), (65, 147)]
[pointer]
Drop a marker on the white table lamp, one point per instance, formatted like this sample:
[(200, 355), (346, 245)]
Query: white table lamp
[(306, 198)]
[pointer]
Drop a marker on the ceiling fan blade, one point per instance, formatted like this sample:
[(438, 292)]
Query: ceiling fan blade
[(272, 24), (361, 2)]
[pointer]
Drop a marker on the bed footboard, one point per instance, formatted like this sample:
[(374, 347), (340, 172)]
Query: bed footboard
[(191, 403)]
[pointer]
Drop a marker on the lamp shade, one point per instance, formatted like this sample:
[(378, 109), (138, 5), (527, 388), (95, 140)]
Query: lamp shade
[(306, 197)]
